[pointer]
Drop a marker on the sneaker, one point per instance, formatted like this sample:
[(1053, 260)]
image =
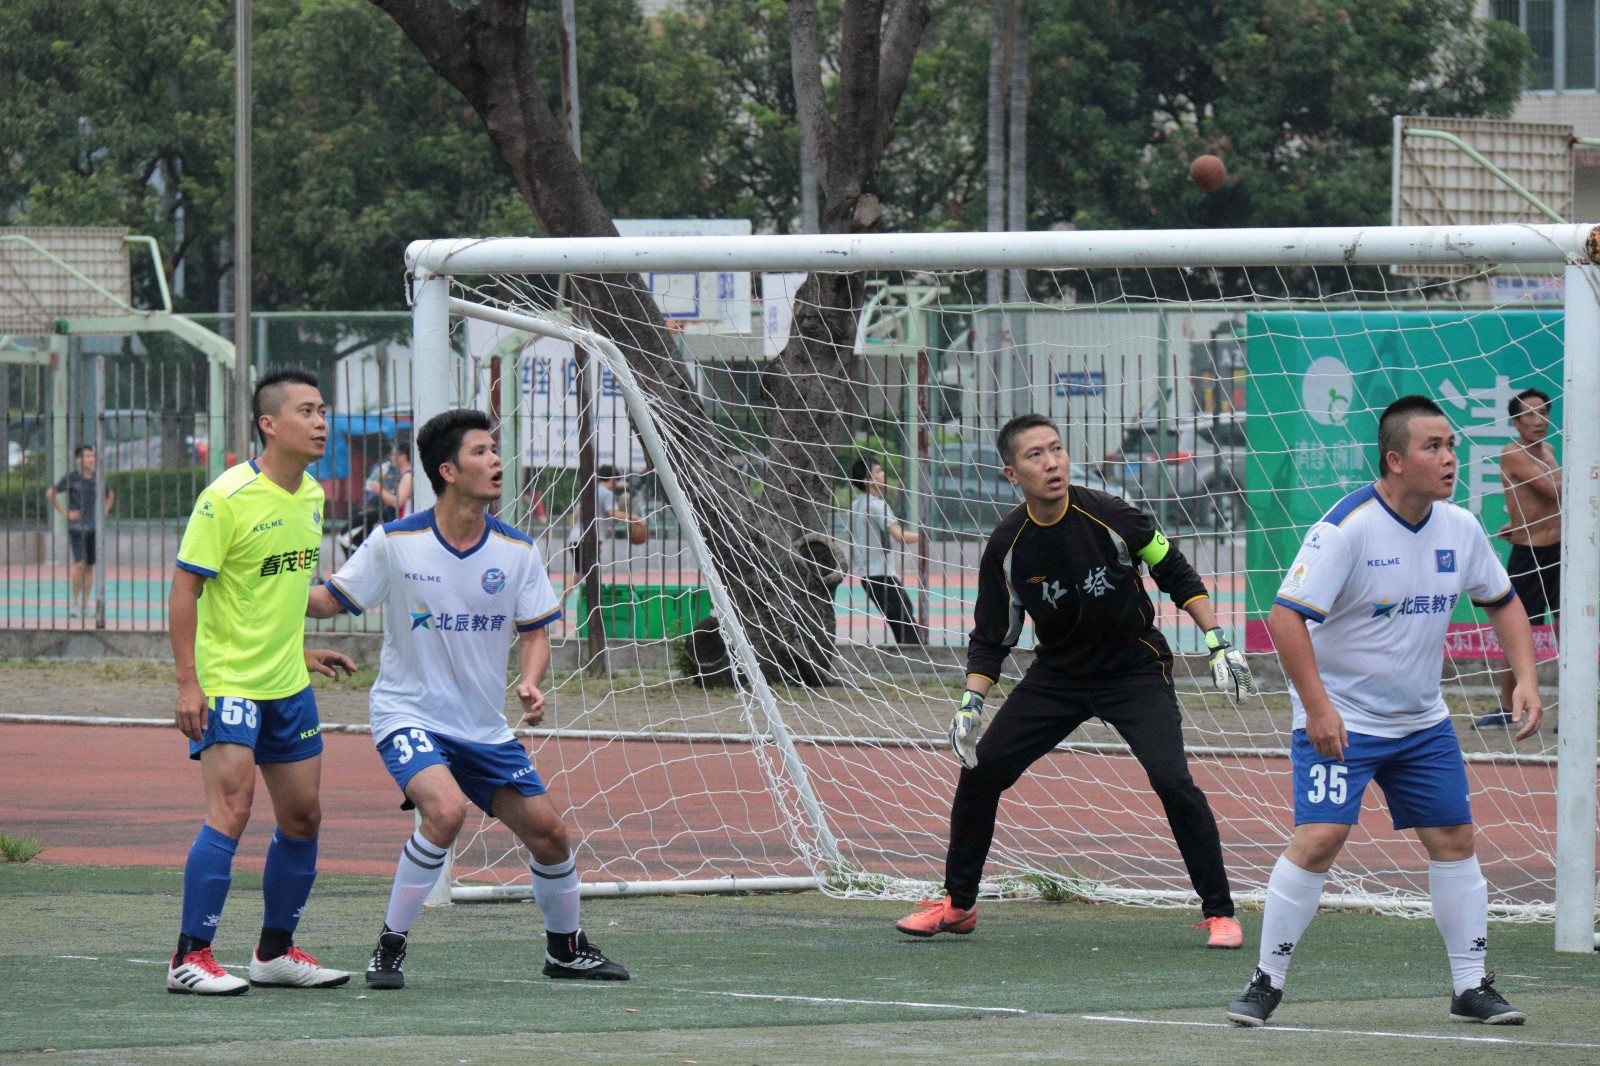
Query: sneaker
[(587, 963), (384, 971), (1224, 932), (938, 916), (1499, 718), (1484, 1004), (294, 969), (1256, 1003), (198, 974)]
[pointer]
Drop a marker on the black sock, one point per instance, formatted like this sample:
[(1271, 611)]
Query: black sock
[(187, 943), (274, 942), (563, 947)]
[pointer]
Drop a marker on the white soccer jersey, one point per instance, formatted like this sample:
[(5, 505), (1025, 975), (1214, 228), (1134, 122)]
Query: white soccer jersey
[(1379, 592), (449, 621)]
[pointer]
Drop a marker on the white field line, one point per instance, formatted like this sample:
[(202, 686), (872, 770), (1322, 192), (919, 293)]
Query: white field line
[(854, 1002), (1464, 1039)]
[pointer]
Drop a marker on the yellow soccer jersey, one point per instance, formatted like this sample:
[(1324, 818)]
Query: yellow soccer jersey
[(258, 548)]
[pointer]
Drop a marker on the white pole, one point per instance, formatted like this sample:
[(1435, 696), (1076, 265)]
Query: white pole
[(1579, 683), (1478, 246), (432, 384), (430, 395)]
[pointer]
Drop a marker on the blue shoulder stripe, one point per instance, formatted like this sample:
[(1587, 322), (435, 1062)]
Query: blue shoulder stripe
[(411, 523), (1350, 504), (510, 532)]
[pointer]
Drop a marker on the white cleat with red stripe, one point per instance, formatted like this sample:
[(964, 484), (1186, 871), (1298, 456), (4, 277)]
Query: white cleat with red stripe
[(198, 974)]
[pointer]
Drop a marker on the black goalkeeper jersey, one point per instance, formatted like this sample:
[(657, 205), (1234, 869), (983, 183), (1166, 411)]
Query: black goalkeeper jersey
[(1079, 579)]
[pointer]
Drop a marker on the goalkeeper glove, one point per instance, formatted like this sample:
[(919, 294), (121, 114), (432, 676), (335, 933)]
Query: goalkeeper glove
[(965, 727), (1228, 668)]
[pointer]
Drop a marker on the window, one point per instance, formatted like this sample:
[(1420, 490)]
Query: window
[(1563, 34)]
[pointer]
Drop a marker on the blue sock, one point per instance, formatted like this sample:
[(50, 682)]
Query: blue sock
[(206, 877), (286, 881)]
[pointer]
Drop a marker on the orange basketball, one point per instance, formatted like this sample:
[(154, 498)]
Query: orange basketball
[(1207, 172)]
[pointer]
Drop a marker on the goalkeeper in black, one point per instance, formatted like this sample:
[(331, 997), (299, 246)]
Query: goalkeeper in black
[(1069, 558)]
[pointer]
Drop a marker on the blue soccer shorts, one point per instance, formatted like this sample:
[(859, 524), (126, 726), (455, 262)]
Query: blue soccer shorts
[(1423, 777), (479, 769), (281, 730)]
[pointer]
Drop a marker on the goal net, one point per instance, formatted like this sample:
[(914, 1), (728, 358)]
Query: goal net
[(739, 701)]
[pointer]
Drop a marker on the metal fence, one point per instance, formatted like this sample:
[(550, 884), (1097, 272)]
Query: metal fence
[(1152, 420)]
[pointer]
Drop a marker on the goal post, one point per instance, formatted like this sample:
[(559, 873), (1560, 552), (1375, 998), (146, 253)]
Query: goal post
[(856, 774)]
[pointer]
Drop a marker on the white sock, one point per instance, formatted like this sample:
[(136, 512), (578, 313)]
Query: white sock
[(414, 877), (1292, 898), (1461, 911), (555, 889)]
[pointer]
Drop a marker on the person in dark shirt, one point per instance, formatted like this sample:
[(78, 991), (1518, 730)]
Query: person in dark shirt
[(78, 488), (1069, 558)]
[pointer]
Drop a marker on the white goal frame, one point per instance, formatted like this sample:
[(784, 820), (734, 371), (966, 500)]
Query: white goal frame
[(432, 264)]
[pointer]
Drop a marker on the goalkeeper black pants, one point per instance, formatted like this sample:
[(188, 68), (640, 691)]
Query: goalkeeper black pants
[(1040, 713)]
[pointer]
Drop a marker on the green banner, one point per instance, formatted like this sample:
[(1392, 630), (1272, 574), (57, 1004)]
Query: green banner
[(1320, 379)]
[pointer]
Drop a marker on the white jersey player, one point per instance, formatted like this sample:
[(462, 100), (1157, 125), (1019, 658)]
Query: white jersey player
[(1360, 623), (458, 588)]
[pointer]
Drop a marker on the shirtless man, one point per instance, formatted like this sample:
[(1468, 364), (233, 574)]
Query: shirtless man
[(1532, 480)]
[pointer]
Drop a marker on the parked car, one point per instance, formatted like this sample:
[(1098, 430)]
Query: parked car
[(1191, 468), (967, 492)]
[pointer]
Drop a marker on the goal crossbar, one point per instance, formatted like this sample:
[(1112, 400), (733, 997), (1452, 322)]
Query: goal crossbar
[(1362, 245)]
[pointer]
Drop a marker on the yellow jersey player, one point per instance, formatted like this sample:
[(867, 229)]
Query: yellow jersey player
[(237, 620)]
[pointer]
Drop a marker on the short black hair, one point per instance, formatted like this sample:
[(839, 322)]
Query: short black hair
[(77, 453), (1006, 442), (1394, 426), (1518, 404), (439, 441), (260, 401), (860, 471)]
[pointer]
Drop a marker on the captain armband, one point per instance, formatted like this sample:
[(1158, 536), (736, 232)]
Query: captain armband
[(1156, 550)]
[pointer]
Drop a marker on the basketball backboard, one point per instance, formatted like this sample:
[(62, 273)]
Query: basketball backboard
[(49, 273), (712, 301), (1445, 174)]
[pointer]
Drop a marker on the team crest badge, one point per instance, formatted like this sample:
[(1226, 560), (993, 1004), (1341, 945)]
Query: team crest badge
[(494, 580), (1445, 560)]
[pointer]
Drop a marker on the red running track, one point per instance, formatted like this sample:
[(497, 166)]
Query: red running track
[(99, 795)]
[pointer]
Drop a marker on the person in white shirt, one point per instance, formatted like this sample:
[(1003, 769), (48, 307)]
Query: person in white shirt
[(1360, 623), (874, 530), (458, 587)]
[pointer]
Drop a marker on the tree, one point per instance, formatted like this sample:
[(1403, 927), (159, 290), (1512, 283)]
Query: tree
[(485, 51)]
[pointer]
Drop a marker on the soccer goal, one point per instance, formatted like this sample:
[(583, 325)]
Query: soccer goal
[(737, 712)]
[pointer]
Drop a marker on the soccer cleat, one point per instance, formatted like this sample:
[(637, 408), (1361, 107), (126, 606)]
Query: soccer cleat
[(938, 916), (384, 971), (586, 964), (1484, 1004), (1224, 932), (198, 974), (1499, 718), (1256, 1003), (294, 969)]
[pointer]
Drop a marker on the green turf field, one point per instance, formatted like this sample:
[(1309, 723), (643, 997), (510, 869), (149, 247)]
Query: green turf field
[(763, 979)]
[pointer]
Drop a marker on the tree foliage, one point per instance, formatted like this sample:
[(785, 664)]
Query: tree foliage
[(119, 112)]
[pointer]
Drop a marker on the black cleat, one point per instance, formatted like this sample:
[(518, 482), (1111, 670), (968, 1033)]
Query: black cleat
[(586, 963), (388, 958), (1484, 1004), (1256, 1003)]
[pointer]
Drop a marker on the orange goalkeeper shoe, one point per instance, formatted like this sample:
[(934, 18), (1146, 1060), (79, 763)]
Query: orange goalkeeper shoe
[(1224, 932), (938, 916)]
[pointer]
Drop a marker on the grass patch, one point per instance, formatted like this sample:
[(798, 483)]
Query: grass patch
[(19, 847)]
